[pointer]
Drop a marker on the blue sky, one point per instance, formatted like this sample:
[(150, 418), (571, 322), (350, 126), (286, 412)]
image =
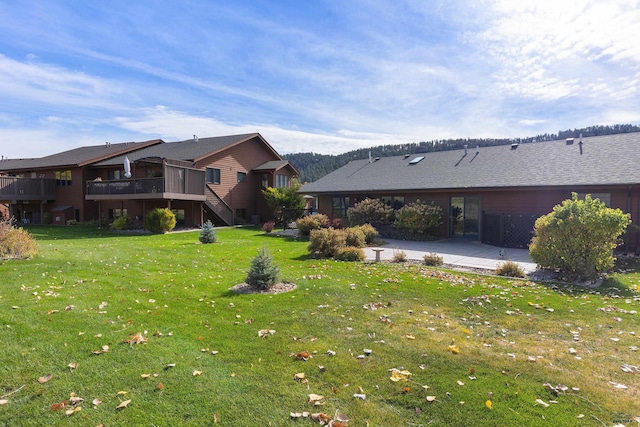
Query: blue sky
[(321, 76)]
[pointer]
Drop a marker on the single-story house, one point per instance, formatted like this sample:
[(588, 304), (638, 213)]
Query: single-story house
[(494, 194), (218, 178)]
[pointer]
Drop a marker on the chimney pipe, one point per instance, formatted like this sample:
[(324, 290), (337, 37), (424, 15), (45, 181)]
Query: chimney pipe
[(195, 138)]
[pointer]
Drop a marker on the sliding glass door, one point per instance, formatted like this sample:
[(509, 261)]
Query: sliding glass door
[(464, 217)]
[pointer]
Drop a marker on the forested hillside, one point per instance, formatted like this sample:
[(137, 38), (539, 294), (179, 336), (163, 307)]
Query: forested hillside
[(313, 166)]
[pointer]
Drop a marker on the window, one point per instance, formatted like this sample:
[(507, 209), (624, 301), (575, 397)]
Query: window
[(339, 206), (117, 213), (282, 181), (265, 181), (242, 177), (179, 213), (213, 176), (603, 197), (63, 178), (396, 202), (116, 175)]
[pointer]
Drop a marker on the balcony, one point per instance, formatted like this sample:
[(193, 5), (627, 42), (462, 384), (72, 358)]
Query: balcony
[(12, 188), (180, 184)]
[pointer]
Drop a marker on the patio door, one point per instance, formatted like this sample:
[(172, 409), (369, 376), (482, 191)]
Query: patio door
[(464, 217)]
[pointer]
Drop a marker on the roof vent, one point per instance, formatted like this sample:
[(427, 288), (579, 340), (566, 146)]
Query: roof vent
[(465, 149), (195, 138), (416, 160), (569, 141), (376, 159), (514, 145), (406, 155)]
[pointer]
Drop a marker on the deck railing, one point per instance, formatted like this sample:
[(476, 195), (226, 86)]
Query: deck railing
[(12, 188), (178, 181)]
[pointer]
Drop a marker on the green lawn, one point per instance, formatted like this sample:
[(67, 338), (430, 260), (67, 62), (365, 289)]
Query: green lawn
[(469, 342)]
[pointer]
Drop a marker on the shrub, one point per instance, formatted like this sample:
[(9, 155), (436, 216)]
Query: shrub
[(263, 273), (349, 253), (208, 233), (336, 223), (311, 222), (370, 211), (370, 233), (268, 226), (432, 259), (510, 269), (418, 217), (72, 222), (325, 242), (399, 255), (578, 237), (16, 242), (160, 220), (284, 197), (119, 223), (354, 236)]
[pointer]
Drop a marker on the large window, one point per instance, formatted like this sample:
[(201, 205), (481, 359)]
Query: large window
[(242, 177), (339, 207), (63, 178), (282, 181), (213, 176)]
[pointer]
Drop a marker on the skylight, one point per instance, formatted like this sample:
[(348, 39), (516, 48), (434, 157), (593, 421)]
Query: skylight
[(416, 160)]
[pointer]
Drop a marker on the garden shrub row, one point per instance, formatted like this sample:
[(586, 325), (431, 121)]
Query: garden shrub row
[(329, 242)]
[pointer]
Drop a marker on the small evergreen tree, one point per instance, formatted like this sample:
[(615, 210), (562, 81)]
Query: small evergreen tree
[(208, 233), (264, 272)]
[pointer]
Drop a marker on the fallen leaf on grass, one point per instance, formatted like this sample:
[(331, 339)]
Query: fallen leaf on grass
[(144, 376), (97, 402), (299, 376), (72, 365), (542, 402), (72, 411), (488, 404), (431, 398), (360, 396), (263, 333), (197, 373), (398, 375), (58, 406), (453, 349), (45, 378), (303, 355), (136, 339), (3, 402), (123, 404), (316, 399), (618, 385), (321, 418)]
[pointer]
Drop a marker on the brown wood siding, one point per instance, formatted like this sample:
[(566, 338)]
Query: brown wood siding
[(242, 157)]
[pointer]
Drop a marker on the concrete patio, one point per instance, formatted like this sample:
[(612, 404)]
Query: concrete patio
[(457, 252)]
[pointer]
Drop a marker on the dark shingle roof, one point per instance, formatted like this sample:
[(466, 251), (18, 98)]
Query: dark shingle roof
[(600, 160), (187, 150), (77, 157)]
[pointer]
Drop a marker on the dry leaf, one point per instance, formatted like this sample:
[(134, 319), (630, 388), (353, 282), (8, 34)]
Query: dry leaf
[(299, 376), (45, 378), (488, 404), (97, 402), (160, 386), (360, 396), (73, 410), (3, 402), (123, 404), (197, 373), (397, 375), (431, 398), (145, 375), (73, 365), (216, 418), (58, 406), (316, 399), (122, 393), (136, 339), (303, 355), (321, 418), (453, 349), (542, 402)]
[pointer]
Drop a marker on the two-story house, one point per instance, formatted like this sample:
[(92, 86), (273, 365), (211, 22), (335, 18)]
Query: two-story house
[(217, 178)]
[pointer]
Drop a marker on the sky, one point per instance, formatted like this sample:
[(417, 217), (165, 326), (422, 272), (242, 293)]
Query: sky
[(312, 76)]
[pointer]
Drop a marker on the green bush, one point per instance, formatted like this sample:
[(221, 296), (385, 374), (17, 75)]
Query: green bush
[(311, 222), (264, 272), (160, 220), (370, 211), (354, 236), (16, 242), (510, 269), (325, 242), (208, 233), (72, 222), (370, 232), (418, 217), (432, 259), (119, 223), (349, 253), (578, 237)]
